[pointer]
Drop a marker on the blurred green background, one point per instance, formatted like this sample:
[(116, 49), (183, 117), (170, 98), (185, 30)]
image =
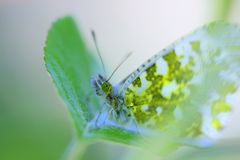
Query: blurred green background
[(34, 123)]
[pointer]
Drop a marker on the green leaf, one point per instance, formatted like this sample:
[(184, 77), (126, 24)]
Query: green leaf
[(221, 9), (115, 134), (71, 66)]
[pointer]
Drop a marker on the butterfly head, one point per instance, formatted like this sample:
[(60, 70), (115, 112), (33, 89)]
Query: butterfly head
[(102, 86)]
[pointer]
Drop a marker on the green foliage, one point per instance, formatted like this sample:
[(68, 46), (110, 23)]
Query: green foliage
[(69, 63), (71, 66), (221, 9)]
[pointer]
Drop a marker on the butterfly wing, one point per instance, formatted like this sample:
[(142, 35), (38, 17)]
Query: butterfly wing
[(191, 83)]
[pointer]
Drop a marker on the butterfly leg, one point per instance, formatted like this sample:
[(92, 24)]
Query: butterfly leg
[(110, 112), (103, 109)]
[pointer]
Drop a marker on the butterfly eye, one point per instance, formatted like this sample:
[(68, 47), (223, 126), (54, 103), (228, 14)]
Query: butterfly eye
[(107, 88)]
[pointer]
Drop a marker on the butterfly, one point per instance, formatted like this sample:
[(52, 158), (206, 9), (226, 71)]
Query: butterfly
[(190, 85)]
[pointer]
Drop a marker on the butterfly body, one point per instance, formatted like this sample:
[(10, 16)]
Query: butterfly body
[(112, 98), (182, 86)]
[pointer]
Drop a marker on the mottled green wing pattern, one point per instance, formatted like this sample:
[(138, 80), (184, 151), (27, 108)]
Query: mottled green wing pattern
[(196, 79)]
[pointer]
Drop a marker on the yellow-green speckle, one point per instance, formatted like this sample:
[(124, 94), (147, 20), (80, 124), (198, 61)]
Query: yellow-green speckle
[(220, 107), (137, 82), (153, 97), (196, 46), (217, 124)]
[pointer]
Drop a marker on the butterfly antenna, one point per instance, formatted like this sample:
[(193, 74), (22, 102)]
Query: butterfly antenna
[(98, 52), (127, 56)]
